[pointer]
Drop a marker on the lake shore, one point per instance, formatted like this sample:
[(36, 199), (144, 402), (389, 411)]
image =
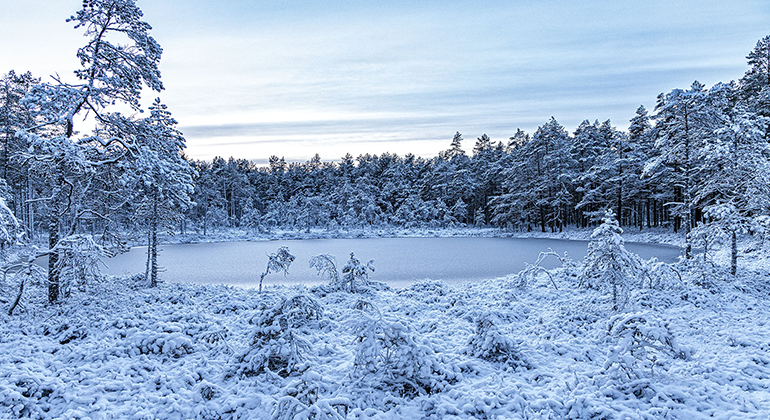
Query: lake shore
[(652, 235)]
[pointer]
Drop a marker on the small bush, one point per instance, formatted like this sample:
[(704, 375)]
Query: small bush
[(489, 344), (277, 263), (355, 273), (172, 344), (390, 354), (642, 342), (326, 266), (277, 345), (303, 399), (80, 259)]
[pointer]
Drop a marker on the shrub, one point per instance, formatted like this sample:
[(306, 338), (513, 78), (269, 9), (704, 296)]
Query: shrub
[(354, 272), (489, 344), (24, 272), (530, 271), (276, 345), (642, 342), (390, 354), (276, 263), (79, 262), (303, 399), (326, 265)]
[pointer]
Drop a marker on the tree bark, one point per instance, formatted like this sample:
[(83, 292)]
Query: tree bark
[(733, 253), (154, 238)]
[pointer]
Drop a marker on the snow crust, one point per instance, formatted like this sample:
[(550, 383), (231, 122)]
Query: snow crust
[(682, 349)]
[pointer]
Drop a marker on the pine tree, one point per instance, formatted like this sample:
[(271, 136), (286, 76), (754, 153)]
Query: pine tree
[(111, 73), (682, 125), (160, 176)]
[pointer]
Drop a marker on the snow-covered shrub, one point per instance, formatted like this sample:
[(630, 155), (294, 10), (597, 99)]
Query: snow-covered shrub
[(207, 397), (364, 305), (391, 356), (16, 277), (608, 265), (303, 398), (354, 272), (10, 230), (276, 263), (80, 258), (642, 342), (661, 275), (530, 271), (301, 309), (27, 395), (277, 345), (217, 338), (169, 342), (428, 291), (489, 344), (326, 265)]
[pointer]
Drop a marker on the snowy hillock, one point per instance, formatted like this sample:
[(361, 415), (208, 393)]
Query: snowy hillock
[(495, 349)]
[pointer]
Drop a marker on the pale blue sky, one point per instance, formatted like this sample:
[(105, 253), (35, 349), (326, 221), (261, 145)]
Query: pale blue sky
[(252, 79)]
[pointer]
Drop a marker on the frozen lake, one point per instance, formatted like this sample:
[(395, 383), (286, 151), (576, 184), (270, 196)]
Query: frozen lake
[(397, 261)]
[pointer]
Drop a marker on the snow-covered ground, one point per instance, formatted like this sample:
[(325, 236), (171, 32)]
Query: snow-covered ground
[(691, 348)]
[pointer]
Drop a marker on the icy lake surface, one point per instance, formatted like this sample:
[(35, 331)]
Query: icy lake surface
[(397, 261)]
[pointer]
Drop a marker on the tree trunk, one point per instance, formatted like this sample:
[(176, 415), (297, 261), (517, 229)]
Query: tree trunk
[(31, 217), (54, 225), (53, 259), (154, 238), (147, 263), (733, 253)]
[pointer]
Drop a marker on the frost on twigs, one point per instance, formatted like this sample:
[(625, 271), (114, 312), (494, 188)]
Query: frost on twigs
[(531, 271), (608, 266), (390, 357), (489, 344), (79, 263), (277, 263), (17, 276), (642, 343), (277, 344), (304, 398), (355, 273), (326, 266), (10, 230)]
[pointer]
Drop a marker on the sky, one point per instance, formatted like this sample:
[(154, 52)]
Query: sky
[(251, 79)]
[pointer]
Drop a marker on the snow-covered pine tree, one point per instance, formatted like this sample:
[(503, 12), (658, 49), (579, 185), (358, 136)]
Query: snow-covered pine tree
[(682, 124), (160, 177), (608, 265), (640, 191), (15, 115), (356, 272), (755, 84), (118, 60), (735, 163)]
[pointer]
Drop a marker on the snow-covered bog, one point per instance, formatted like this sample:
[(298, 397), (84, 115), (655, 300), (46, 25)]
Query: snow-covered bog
[(481, 350)]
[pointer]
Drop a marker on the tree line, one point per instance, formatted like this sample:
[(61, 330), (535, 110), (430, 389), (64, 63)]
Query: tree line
[(699, 159), (697, 164)]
